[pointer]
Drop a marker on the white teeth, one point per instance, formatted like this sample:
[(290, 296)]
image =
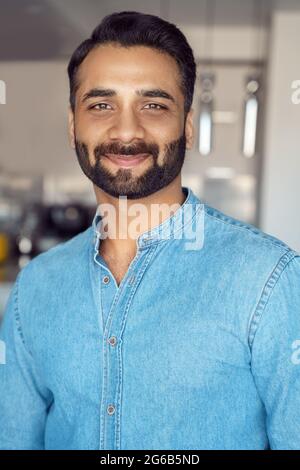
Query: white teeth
[(129, 156)]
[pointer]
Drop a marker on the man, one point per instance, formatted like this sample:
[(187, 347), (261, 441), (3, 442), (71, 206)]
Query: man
[(177, 334)]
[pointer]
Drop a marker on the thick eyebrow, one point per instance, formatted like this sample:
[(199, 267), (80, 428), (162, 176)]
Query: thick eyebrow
[(156, 93), (151, 93), (95, 92)]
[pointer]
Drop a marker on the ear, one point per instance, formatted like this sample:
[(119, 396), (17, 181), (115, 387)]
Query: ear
[(71, 127), (189, 129)]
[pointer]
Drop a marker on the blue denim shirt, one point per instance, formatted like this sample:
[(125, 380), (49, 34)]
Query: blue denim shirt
[(195, 349)]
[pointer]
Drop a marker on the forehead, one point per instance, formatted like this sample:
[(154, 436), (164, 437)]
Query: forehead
[(109, 65)]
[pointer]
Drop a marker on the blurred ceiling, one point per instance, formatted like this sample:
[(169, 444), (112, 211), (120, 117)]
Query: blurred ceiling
[(48, 29)]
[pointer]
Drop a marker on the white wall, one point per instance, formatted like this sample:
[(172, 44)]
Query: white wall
[(280, 205), (33, 122)]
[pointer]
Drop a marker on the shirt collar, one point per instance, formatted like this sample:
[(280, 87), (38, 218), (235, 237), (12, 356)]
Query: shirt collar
[(172, 227)]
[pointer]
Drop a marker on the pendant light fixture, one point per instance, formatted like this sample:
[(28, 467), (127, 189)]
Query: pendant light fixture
[(206, 113), (251, 107), (207, 82), (252, 89), (2, 92)]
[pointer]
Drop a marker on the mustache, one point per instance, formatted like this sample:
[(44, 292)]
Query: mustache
[(117, 149)]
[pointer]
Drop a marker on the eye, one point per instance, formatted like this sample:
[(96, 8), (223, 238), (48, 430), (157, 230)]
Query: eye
[(94, 106), (158, 106)]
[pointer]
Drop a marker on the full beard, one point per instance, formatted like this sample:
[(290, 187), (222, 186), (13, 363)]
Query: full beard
[(124, 182)]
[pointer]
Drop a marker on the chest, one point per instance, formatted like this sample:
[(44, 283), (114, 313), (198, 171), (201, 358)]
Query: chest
[(118, 267)]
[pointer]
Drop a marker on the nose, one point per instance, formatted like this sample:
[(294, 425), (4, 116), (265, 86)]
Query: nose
[(126, 127)]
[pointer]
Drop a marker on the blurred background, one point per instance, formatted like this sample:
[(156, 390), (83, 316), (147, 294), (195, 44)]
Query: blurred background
[(246, 157)]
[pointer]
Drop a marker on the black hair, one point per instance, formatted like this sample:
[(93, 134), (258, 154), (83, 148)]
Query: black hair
[(131, 28)]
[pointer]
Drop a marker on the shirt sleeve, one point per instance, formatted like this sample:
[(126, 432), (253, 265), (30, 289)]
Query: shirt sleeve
[(276, 357), (22, 401)]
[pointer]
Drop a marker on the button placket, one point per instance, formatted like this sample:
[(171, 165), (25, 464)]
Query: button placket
[(110, 425)]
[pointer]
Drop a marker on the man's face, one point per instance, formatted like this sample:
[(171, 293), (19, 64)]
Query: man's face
[(129, 103)]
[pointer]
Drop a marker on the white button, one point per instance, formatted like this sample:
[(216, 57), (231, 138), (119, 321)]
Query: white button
[(106, 279), (110, 409), (112, 340)]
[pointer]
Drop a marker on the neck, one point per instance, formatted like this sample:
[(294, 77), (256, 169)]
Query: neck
[(125, 222)]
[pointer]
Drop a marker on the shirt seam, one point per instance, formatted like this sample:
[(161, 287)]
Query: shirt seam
[(267, 290), (17, 311), (254, 231), (17, 315)]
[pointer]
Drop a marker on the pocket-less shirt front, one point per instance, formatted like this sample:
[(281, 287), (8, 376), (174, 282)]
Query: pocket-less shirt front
[(197, 348)]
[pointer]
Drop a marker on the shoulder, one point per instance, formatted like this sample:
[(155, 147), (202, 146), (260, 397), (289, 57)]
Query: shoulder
[(55, 268), (257, 262), (63, 254), (43, 287), (245, 239)]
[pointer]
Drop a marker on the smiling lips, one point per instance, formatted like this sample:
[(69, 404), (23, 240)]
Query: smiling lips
[(127, 160)]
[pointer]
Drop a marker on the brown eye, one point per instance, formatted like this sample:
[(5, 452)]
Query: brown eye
[(99, 104), (159, 107)]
